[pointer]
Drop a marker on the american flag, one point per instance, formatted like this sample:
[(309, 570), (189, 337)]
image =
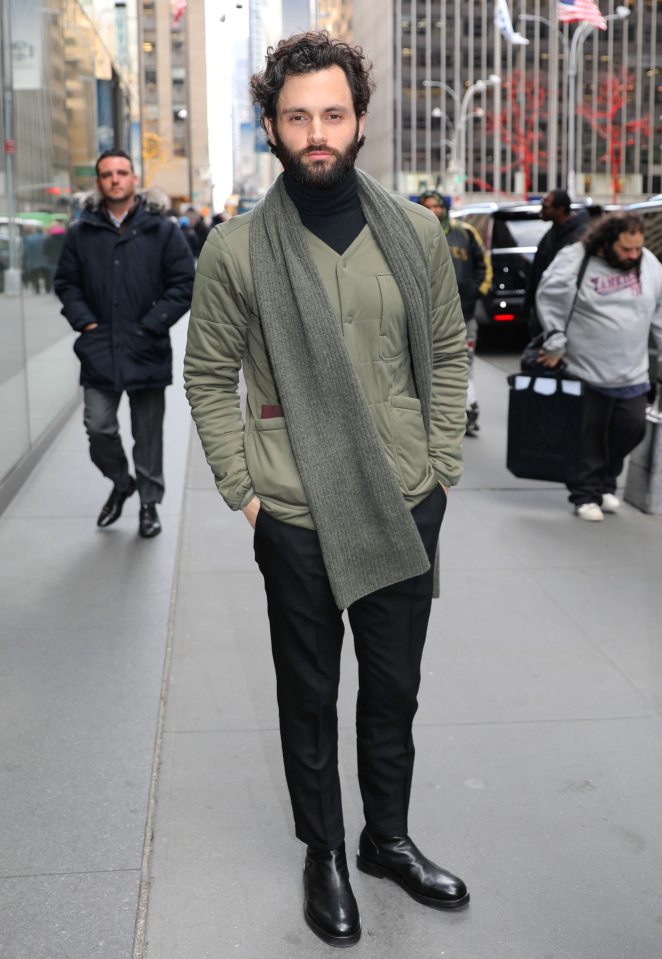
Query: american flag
[(178, 8), (588, 10)]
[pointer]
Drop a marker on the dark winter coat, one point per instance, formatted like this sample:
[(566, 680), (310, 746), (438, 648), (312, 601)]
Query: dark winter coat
[(472, 265), (558, 236), (135, 283)]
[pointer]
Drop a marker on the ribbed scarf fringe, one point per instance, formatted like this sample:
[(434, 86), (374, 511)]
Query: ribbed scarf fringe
[(367, 535)]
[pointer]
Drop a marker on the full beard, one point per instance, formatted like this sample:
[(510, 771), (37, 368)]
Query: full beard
[(614, 260), (319, 175)]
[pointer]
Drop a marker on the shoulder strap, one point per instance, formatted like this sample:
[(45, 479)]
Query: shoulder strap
[(580, 277)]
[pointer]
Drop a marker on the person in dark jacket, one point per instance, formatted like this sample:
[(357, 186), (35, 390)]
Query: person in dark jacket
[(124, 277), (473, 272), (566, 228)]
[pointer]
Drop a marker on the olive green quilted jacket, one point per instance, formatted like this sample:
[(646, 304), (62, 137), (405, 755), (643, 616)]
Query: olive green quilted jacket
[(249, 451)]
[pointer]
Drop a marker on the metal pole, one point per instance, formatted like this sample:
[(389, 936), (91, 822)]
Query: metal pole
[(452, 168), (13, 271), (580, 35), (189, 112)]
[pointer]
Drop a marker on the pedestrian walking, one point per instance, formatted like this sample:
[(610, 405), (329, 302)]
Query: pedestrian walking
[(619, 302), (124, 277), (473, 271), (566, 229), (35, 262), (53, 246), (340, 303)]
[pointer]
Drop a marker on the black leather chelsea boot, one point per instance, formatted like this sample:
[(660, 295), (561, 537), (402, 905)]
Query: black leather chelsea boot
[(397, 858), (329, 905)]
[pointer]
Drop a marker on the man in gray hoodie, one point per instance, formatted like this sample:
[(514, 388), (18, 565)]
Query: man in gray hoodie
[(619, 302)]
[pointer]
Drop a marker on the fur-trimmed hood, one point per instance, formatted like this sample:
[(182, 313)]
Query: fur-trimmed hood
[(156, 201)]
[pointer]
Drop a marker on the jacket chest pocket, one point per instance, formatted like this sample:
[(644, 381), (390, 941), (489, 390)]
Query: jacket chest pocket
[(393, 321)]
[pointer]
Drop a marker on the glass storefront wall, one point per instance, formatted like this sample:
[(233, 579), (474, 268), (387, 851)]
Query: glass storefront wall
[(64, 99)]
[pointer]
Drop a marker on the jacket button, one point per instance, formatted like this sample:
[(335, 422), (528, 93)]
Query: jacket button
[(349, 318), (117, 262)]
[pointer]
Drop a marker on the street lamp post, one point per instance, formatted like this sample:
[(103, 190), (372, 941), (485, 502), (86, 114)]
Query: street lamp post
[(439, 114), (458, 163), (578, 38)]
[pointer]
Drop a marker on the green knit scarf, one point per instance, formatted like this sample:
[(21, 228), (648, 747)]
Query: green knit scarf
[(367, 535)]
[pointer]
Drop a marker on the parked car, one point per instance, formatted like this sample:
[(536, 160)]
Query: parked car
[(651, 213), (511, 233)]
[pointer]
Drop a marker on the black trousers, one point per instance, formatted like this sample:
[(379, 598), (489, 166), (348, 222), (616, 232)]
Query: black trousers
[(611, 429), (389, 628), (106, 450)]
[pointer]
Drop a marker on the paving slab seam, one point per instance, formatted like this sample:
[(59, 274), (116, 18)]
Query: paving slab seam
[(75, 872), (635, 717), (247, 730), (138, 951)]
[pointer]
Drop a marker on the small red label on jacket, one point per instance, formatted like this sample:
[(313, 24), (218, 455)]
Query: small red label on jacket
[(271, 412)]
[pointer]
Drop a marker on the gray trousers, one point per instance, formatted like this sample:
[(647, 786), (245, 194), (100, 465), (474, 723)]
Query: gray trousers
[(106, 450)]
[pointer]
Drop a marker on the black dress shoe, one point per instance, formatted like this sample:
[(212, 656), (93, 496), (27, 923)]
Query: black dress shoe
[(148, 523), (112, 508), (329, 906), (397, 858)]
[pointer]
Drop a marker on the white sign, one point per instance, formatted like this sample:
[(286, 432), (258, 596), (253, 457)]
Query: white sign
[(26, 44)]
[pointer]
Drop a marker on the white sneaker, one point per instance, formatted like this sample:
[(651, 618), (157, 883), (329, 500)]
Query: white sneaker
[(590, 512), (610, 503)]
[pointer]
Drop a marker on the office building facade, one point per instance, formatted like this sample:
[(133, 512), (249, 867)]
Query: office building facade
[(174, 103), (461, 106)]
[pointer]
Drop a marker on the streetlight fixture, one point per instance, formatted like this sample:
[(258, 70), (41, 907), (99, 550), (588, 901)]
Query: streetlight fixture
[(458, 164), (578, 38)]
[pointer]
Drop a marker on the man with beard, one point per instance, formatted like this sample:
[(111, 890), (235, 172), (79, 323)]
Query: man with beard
[(618, 303), (341, 305)]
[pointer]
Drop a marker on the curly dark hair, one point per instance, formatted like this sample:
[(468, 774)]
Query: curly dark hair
[(308, 53), (606, 230)]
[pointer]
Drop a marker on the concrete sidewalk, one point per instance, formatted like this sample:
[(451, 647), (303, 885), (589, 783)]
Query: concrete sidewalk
[(539, 757), (539, 766)]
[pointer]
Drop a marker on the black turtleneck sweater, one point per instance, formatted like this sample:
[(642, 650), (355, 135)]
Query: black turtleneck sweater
[(333, 215)]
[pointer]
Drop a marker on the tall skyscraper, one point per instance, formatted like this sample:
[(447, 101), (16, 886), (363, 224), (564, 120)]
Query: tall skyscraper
[(174, 116)]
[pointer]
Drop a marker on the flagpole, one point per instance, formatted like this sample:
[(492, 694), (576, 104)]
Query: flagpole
[(496, 178), (553, 112), (579, 36)]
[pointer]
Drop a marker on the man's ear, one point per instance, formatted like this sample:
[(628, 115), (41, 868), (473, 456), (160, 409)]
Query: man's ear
[(269, 129), (361, 125)]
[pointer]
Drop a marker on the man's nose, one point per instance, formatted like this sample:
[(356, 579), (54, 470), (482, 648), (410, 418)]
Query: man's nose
[(316, 133)]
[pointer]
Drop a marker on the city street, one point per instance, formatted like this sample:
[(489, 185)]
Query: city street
[(145, 814)]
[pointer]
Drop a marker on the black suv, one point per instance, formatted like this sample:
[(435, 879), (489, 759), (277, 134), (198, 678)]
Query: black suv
[(511, 233)]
